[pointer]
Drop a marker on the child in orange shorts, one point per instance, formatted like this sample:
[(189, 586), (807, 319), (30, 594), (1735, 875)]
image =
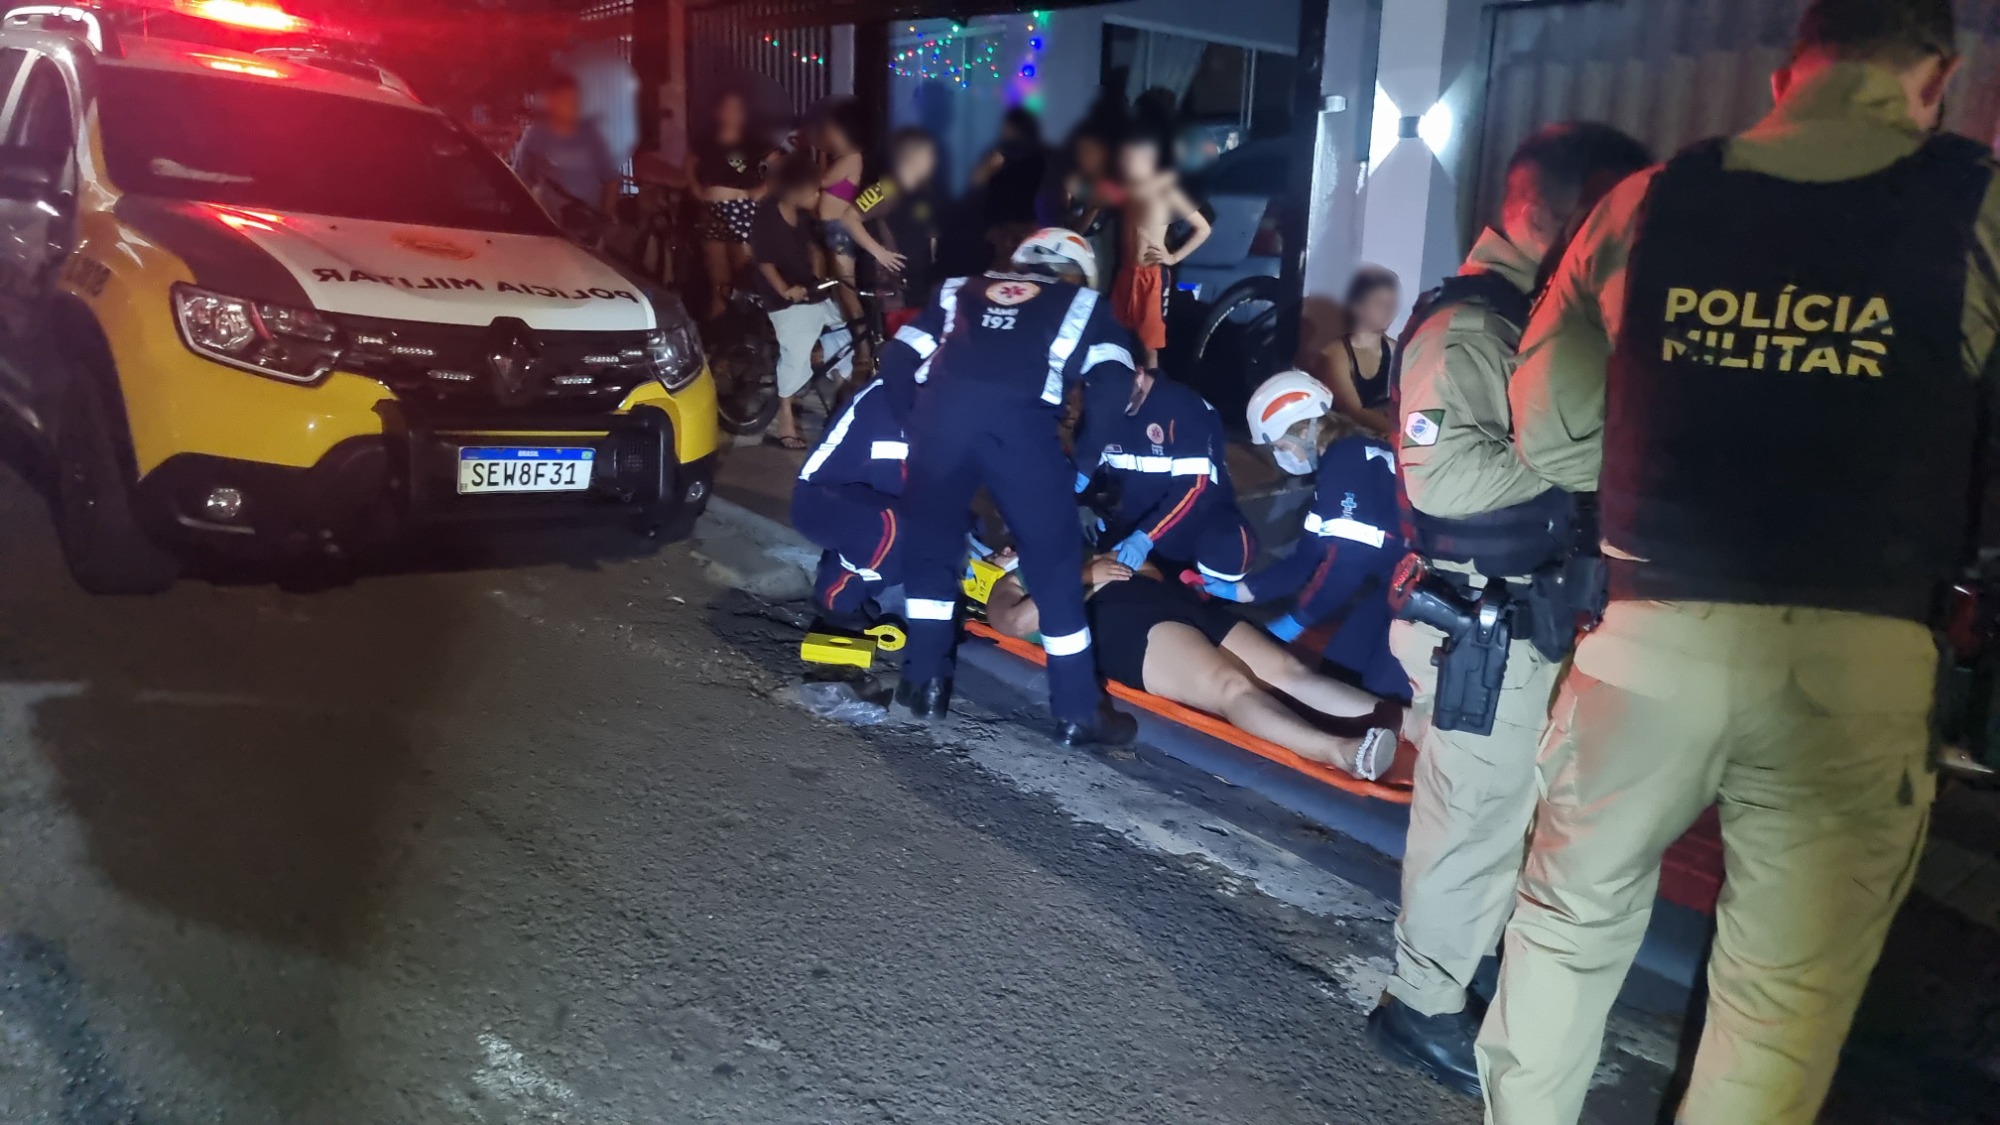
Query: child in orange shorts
[(1153, 202)]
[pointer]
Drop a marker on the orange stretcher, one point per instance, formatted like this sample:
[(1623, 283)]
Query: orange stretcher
[(1393, 788), (1690, 875)]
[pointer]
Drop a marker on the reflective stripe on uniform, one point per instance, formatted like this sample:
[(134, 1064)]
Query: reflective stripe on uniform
[(836, 435), (1063, 348), (1069, 644), (1133, 463), (1108, 353), (1353, 530), (1159, 466), (1218, 575), (861, 572), (925, 609), (948, 304), (890, 450), (920, 341)]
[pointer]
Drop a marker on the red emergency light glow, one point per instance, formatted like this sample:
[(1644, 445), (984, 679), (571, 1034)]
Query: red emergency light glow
[(238, 66), (242, 218), (244, 13)]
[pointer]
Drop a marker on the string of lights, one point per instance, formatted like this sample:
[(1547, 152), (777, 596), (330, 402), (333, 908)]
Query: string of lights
[(966, 52), (777, 44)]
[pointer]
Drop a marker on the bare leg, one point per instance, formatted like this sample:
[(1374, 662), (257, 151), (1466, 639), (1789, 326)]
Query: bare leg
[(850, 308), (786, 424), (1182, 666), (716, 256), (1282, 672)]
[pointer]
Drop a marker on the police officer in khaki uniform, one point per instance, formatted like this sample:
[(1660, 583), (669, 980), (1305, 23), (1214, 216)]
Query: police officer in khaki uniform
[(1767, 357), (1482, 520)]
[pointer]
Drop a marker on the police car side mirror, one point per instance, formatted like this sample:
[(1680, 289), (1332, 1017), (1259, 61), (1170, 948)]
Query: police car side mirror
[(28, 175)]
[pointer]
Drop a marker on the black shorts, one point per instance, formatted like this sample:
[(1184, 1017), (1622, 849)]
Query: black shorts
[(1123, 614)]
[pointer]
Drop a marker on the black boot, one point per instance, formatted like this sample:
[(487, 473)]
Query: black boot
[(1440, 1046), (1111, 727), (930, 699)]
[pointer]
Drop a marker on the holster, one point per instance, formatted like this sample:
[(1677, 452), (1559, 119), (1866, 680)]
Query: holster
[(1564, 598), (1478, 631)]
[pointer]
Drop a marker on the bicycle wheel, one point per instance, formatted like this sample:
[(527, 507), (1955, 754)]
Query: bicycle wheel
[(743, 358), (1251, 334)]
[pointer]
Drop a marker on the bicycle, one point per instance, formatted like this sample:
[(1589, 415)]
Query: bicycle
[(743, 358), (842, 350)]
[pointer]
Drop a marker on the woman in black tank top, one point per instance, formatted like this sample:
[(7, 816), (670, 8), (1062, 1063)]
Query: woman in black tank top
[(1361, 372)]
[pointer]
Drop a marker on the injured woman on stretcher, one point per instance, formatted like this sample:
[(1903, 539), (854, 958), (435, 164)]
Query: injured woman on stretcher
[(1151, 634)]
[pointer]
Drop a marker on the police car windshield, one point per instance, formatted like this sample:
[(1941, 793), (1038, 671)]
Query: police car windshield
[(227, 140)]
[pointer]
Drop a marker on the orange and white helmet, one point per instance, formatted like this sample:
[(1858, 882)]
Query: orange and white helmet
[(1285, 400), (1053, 248)]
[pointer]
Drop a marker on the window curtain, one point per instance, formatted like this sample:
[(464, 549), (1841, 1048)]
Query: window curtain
[(1169, 61)]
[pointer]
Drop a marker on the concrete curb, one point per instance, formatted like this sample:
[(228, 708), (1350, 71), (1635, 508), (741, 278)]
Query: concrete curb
[(755, 554), (1675, 946)]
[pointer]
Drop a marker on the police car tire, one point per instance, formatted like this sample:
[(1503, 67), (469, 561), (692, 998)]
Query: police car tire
[(107, 550)]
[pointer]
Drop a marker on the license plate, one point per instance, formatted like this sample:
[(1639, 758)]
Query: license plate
[(513, 468)]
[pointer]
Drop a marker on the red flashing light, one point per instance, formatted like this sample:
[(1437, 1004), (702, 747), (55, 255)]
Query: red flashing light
[(242, 218), (244, 13), (240, 66)]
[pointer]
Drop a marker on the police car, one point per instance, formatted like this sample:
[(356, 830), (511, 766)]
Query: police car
[(258, 299)]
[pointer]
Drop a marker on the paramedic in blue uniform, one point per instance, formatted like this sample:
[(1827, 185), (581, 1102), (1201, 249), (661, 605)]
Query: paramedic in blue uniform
[(1339, 573), (845, 502), (1163, 458), (983, 374)]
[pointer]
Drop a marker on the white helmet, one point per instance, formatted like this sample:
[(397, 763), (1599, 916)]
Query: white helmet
[(1285, 414), (1056, 248), (1285, 400)]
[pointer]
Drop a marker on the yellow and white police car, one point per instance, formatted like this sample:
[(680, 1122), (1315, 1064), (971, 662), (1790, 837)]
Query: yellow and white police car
[(253, 301)]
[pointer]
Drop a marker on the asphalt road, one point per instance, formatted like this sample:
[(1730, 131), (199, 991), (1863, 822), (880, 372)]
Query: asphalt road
[(556, 844)]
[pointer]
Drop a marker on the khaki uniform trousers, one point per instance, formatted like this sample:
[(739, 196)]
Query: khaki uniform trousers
[(1469, 815), (1811, 728)]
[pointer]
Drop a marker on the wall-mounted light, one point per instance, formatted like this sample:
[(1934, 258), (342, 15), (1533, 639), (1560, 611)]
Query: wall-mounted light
[(1435, 127), (1384, 128)]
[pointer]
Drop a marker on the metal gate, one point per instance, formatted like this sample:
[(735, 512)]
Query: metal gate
[(737, 45), (1672, 72)]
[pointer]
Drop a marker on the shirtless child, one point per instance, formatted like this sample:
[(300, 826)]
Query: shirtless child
[(1153, 203)]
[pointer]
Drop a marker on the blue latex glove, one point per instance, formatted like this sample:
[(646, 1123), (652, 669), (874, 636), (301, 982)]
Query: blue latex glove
[(1238, 592), (1082, 483), (1286, 628), (1136, 548)]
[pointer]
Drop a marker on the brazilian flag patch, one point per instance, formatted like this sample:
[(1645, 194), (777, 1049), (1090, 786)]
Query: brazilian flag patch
[(1422, 428)]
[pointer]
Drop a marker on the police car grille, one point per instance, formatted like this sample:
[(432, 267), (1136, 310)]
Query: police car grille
[(450, 366)]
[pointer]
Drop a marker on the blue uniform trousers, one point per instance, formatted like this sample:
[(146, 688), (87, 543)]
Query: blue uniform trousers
[(860, 531), (1351, 592), (965, 438)]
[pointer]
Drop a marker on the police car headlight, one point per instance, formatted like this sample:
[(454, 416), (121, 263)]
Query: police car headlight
[(295, 345), (673, 355)]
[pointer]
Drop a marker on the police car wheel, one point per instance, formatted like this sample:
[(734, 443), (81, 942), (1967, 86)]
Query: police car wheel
[(108, 552)]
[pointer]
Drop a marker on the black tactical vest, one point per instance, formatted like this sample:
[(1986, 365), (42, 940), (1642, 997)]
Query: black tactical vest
[(1789, 419), (1513, 541)]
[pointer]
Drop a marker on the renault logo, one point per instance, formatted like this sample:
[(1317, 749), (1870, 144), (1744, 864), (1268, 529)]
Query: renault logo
[(510, 357)]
